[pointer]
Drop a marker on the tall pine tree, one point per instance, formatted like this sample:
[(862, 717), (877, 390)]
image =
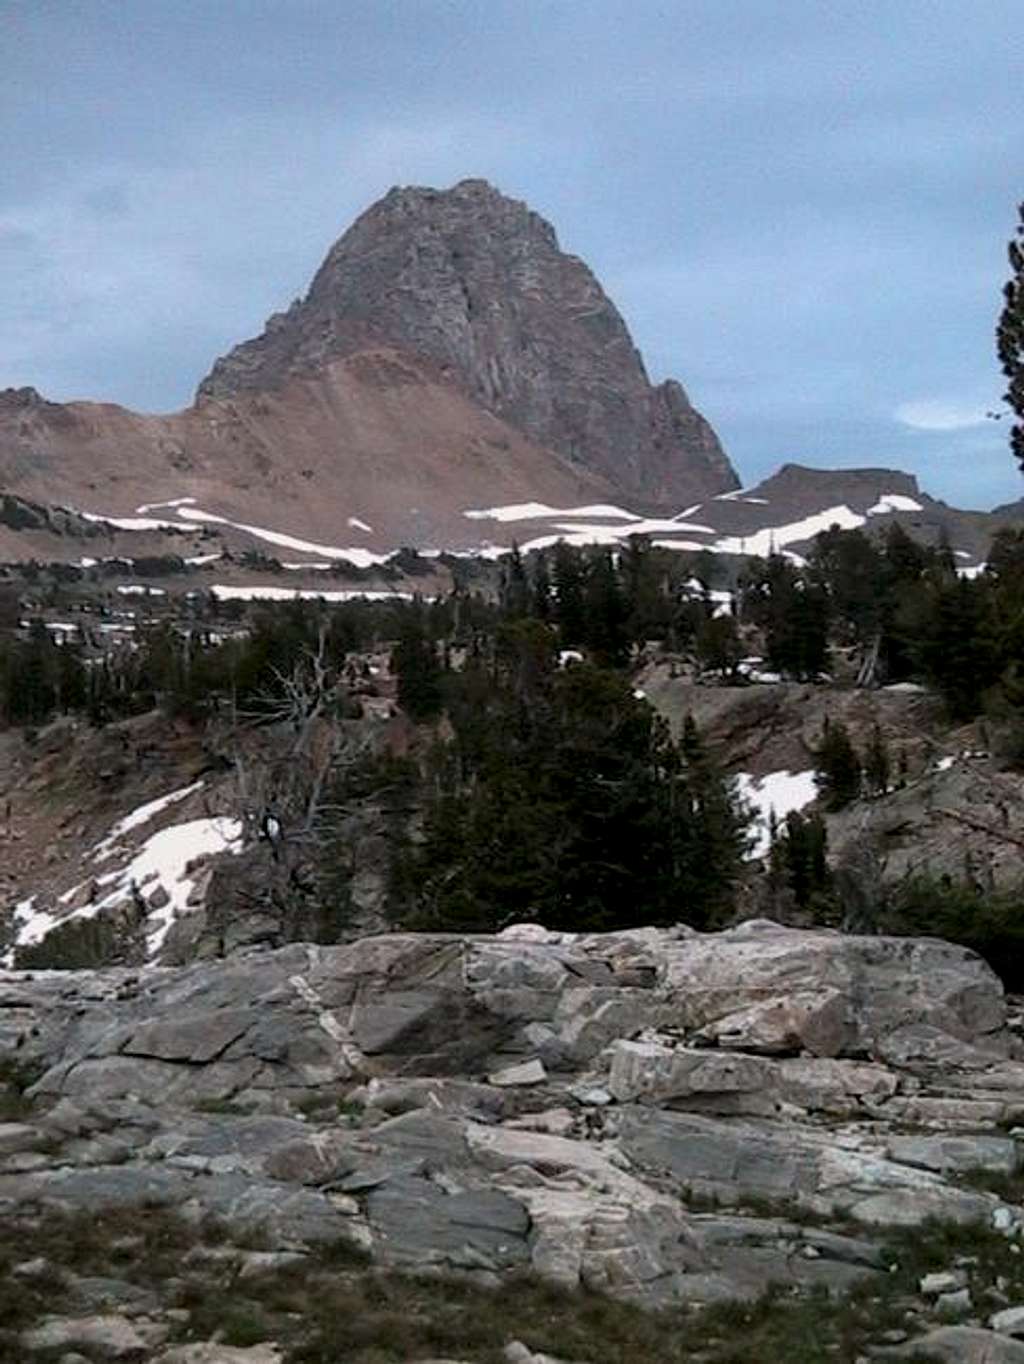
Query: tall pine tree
[(1010, 338)]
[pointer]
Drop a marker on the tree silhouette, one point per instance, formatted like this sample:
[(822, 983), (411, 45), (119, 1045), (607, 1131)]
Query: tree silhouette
[(1010, 337)]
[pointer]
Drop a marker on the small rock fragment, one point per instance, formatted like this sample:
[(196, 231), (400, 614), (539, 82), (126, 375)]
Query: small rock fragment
[(525, 1073)]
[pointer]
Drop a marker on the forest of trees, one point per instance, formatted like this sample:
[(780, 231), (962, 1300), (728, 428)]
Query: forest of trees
[(894, 604), (561, 797), (541, 786)]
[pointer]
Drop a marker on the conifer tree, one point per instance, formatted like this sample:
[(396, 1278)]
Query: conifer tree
[(877, 764), (567, 580), (837, 768), (1010, 338), (417, 667), (606, 633)]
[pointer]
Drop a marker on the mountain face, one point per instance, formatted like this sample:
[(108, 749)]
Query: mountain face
[(475, 283), (452, 380)]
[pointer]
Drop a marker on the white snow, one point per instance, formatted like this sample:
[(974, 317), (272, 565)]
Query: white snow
[(165, 858), (647, 526), (302, 565), (356, 524), (892, 502), (87, 562), (155, 506), (162, 861), (137, 590), (944, 764), (142, 815), (778, 793), (361, 558), (31, 925), (970, 570), (740, 495), (751, 668), (679, 544), (223, 593), (533, 511), (548, 541), (197, 559), (772, 538)]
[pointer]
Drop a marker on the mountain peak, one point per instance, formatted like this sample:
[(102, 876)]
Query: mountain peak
[(474, 282)]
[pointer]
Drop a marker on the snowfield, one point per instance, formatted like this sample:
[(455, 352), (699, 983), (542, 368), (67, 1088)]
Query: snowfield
[(157, 871), (777, 793)]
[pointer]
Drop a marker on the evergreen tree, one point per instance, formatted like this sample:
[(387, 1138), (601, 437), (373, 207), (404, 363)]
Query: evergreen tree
[(514, 594), (837, 768), (792, 610), (718, 645), (1010, 338), (877, 764), (567, 579), (647, 603), (798, 871), (851, 571), (570, 804), (606, 634), (543, 599), (418, 669)]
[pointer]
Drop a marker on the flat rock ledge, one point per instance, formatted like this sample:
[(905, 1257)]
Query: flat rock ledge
[(660, 1114)]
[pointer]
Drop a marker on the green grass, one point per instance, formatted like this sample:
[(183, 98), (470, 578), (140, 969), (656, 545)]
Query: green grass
[(335, 1306), (1010, 1188)]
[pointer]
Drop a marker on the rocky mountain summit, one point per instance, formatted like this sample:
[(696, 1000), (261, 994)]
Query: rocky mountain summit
[(452, 381), (476, 282), (662, 1115)]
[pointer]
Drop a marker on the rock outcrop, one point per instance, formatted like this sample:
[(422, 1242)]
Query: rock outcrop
[(537, 1100), (476, 283)]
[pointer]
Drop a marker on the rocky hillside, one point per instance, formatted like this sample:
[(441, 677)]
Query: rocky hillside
[(476, 282), (671, 1118)]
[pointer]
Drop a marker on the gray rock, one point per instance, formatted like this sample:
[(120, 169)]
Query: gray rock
[(524, 1073), (943, 1281), (959, 1345), (956, 1303), (114, 1337), (1009, 1322), (211, 1352), (364, 1124), (998, 1155), (415, 1221)]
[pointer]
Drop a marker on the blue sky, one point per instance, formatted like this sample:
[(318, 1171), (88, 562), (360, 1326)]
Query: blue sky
[(800, 206)]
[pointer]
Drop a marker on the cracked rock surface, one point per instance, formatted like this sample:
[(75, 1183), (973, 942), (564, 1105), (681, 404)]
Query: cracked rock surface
[(663, 1115)]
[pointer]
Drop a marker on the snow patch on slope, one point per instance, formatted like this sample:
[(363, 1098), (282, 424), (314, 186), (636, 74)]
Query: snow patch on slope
[(224, 593), (142, 815), (778, 794), (158, 870), (533, 511), (362, 558), (892, 502), (772, 538)]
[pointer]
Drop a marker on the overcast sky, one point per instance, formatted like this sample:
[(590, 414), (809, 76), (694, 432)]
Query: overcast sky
[(800, 206)]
